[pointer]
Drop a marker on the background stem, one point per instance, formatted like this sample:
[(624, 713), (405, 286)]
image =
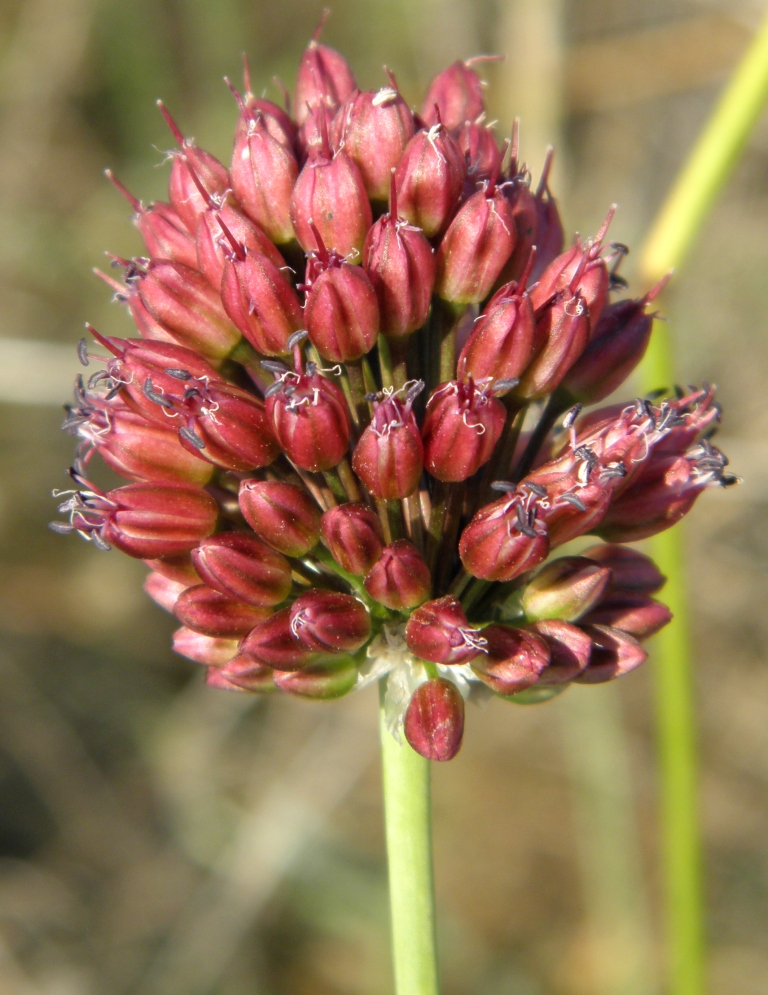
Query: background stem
[(409, 856)]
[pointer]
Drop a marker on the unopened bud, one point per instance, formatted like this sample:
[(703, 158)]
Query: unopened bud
[(439, 632), (273, 643), (264, 171), (565, 589), (243, 674), (208, 650), (637, 614), (352, 532), (614, 654), (570, 650), (630, 570), (503, 540), (461, 427), (513, 659), (183, 188), (328, 622), (322, 680), (434, 720), (243, 567), (481, 153), (324, 79), (310, 419), (563, 328), (214, 247), (501, 343), (429, 179), (212, 613), (283, 515), (162, 590), (400, 579), (455, 95), (341, 313), (389, 457)]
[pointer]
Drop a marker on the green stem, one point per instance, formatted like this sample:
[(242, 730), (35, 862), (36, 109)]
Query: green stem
[(666, 247), (361, 409), (409, 857)]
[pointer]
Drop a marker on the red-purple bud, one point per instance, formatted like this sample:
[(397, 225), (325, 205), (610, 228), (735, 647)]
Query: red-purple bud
[(278, 122), (400, 579), (273, 644), (177, 568), (261, 302), (565, 589), (439, 632), (462, 425), (636, 614), (214, 247), (243, 567), (182, 300), (513, 659), (504, 539), (501, 342), (389, 457), (570, 650), (310, 419), (328, 622), (630, 569), (352, 532), (481, 152), (284, 515), (614, 654), (373, 128), (429, 179), (162, 590), (478, 242), (207, 650), (434, 721), (321, 680), (400, 264), (212, 613), (264, 171), (324, 79), (563, 330), (523, 207), (455, 95), (241, 673), (550, 235), (165, 234), (214, 678), (341, 312)]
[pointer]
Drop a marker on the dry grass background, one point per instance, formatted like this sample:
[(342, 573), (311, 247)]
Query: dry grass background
[(157, 838)]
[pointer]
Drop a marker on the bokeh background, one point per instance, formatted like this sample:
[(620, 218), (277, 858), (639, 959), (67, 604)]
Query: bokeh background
[(158, 838)]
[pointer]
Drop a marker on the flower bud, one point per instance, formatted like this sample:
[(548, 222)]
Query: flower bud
[(439, 632), (637, 614), (352, 533), (400, 579), (283, 515), (310, 419), (324, 79), (481, 153), (165, 234), (214, 248), (329, 198), (328, 622), (569, 651), (429, 179), (455, 95), (513, 659), (614, 654), (461, 426), (178, 568), (478, 242), (184, 302), (501, 342), (214, 678), (522, 205), (244, 674), (264, 171), (565, 589), (630, 570), (400, 264), (323, 680), (162, 590), (207, 650), (341, 313), (212, 613), (373, 128), (550, 235), (504, 539), (434, 721), (273, 644), (243, 567), (389, 457), (563, 329), (260, 301)]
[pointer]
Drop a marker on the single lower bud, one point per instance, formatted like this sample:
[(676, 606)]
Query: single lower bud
[(501, 343), (461, 427), (563, 330), (636, 614), (212, 613), (439, 632), (322, 680), (565, 589), (162, 590), (214, 678), (434, 720), (341, 313), (212, 242), (429, 180), (324, 78), (503, 540), (208, 650), (273, 643), (630, 569), (242, 566), (352, 532), (481, 152), (400, 579), (261, 302), (455, 95), (569, 651), (328, 622), (283, 515), (310, 419), (244, 674), (614, 653), (513, 659), (389, 457), (264, 170)]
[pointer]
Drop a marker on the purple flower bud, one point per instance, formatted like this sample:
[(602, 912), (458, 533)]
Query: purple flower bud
[(400, 579), (243, 567), (283, 515), (352, 532), (504, 539), (341, 312), (212, 613), (522, 204), (513, 659), (252, 108), (637, 614), (481, 153), (631, 570), (214, 247), (565, 589), (214, 678), (373, 128), (400, 264), (473, 251), (461, 426), (328, 622), (434, 721), (243, 674), (570, 650), (324, 78), (177, 568), (455, 95), (264, 171), (323, 680), (439, 632), (614, 654), (429, 180), (162, 590), (389, 457), (501, 342), (310, 419), (165, 234), (208, 650), (550, 236), (273, 644), (562, 332)]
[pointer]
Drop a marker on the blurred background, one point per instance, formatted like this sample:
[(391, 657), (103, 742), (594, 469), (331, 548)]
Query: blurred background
[(158, 838)]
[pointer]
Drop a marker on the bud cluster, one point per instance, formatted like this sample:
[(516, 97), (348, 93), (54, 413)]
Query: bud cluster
[(352, 419)]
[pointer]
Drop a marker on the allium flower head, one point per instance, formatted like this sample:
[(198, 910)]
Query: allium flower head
[(336, 417)]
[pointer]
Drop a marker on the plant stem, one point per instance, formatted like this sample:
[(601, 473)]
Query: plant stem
[(666, 247), (409, 857)]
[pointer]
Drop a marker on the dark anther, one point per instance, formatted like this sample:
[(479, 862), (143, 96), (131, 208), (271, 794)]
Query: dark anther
[(191, 392), (63, 528), (413, 392), (179, 374), (96, 378), (311, 369), (502, 385), (297, 338), (679, 392), (274, 366), (730, 480), (152, 395), (82, 352), (572, 415), (192, 437), (290, 389), (620, 248), (654, 395), (274, 388), (617, 282), (100, 542), (536, 489), (370, 398), (504, 486), (574, 500), (114, 392)]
